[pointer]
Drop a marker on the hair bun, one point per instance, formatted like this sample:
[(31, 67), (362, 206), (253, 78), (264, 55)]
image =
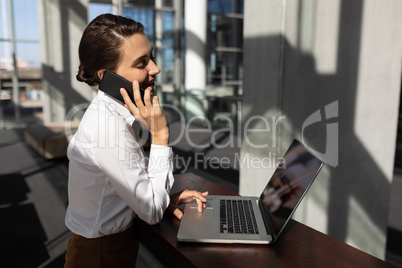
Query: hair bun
[(84, 76)]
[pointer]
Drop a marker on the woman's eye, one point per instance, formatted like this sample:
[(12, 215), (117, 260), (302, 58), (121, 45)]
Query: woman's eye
[(143, 65)]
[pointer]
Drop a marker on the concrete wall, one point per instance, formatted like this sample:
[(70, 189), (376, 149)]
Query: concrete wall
[(327, 73), (61, 26)]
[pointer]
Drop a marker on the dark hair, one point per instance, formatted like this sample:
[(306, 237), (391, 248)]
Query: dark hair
[(100, 45)]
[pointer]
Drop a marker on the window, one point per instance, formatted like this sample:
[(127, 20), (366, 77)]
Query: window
[(19, 37), (225, 45), (96, 9), (26, 32)]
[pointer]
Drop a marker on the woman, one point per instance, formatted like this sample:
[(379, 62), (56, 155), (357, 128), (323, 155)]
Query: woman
[(109, 184)]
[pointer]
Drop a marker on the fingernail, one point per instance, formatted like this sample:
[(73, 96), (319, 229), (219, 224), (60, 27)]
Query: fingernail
[(135, 82)]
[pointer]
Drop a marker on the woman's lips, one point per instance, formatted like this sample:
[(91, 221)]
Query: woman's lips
[(152, 86)]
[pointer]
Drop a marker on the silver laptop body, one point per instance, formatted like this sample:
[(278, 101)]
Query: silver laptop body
[(272, 210)]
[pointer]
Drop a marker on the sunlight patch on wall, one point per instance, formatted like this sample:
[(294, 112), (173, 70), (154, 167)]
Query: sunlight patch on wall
[(326, 36), (362, 230)]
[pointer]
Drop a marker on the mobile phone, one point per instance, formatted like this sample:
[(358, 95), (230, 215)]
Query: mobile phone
[(111, 84)]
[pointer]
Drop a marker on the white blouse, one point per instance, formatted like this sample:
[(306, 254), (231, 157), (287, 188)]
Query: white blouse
[(110, 179)]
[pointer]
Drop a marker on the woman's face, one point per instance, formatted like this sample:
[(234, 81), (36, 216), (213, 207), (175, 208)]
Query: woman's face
[(137, 61)]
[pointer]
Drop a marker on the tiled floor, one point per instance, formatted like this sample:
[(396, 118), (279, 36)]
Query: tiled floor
[(33, 201)]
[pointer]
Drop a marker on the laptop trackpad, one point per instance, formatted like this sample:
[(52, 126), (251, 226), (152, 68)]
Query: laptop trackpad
[(206, 215), (198, 224)]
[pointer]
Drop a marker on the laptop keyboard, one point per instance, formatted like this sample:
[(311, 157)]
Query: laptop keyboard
[(237, 216)]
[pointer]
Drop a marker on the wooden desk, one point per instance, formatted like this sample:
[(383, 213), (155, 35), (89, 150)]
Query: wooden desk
[(298, 246)]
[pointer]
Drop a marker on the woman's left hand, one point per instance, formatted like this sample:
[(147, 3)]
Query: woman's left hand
[(184, 197)]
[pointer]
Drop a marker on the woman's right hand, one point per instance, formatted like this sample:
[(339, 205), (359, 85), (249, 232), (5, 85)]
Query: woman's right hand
[(149, 113), (184, 197)]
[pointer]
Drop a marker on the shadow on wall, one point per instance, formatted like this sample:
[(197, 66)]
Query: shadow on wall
[(358, 190)]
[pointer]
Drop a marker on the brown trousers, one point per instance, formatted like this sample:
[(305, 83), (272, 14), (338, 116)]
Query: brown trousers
[(116, 250)]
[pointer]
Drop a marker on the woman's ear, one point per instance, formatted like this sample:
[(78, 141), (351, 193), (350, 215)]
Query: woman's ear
[(101, 73)]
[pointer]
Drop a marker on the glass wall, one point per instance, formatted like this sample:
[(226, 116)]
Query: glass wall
[(225, 45), (96, 9), (20, 87), (26, 31), (224, 58)]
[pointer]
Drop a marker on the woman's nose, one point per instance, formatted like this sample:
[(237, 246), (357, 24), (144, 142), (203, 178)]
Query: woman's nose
[(154, 69)]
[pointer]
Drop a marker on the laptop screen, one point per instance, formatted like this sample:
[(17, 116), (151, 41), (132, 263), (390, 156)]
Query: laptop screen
[(289, 183)]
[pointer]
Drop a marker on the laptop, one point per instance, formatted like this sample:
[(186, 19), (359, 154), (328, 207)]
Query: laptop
[(254, 220)]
